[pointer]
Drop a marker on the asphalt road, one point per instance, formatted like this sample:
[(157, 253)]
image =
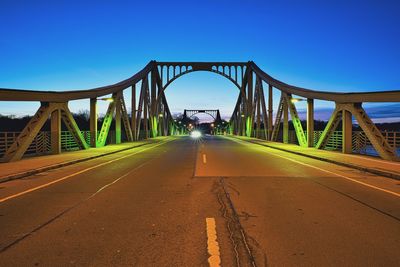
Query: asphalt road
[(156, 206)]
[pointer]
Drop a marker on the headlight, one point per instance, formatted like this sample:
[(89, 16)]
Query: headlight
[(195, 134)]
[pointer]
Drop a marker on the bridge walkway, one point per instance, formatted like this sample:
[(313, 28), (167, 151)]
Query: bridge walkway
[(365, 163), (36, 164)]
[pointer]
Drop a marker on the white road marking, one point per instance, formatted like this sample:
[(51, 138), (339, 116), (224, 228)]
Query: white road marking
[(340, 175), (212, 244), (323, 170), (204, 158), (76, 173)]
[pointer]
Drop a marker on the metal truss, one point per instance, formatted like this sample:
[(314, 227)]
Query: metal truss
[(214, 113), (301, 138), (151, 116), (278, 119), (56, 111)]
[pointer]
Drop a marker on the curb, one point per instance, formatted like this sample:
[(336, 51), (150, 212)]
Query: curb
[(364, 169), (63, 164)]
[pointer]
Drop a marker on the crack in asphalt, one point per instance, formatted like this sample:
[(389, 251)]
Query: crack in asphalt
[(234, 226)]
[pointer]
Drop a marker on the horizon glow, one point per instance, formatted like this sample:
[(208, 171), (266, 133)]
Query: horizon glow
[(62, 46)]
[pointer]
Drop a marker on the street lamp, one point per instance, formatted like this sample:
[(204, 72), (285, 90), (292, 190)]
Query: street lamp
[(108, 99), (295, 100)]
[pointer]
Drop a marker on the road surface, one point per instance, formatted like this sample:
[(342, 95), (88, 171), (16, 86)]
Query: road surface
[(186, 202)]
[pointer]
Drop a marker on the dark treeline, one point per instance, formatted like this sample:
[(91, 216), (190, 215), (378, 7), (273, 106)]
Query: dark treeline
[(16, 124)]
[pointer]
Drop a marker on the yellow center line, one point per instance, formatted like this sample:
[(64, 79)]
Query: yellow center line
[(212, 244), (330, 172), (204, 158), (76, 173)]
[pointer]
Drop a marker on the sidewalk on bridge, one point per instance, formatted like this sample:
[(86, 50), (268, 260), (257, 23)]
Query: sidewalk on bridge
[(361, 162), (37, 164)]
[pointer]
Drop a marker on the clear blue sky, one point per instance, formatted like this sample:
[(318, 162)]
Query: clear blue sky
[(326, 45)]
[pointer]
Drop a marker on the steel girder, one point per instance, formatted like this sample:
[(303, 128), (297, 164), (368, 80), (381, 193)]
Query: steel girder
[(105, 127), (278, 118), (25, 138), (329, 128), (374, 135), (301, 138), (73, 128)]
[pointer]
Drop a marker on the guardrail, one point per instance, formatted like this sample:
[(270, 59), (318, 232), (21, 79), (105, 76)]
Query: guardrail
[(360, 142), (41, 144)]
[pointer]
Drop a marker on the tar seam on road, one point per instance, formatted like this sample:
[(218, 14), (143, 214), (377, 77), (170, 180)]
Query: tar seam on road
[(337, 174), (76, 173), (70, 208), (212, 244), (236, 217)]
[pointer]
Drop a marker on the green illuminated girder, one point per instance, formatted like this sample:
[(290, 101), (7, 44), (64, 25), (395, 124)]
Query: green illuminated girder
[(154, 126), (301, 137), (105, 127), (73, 128), (374, 135), (329, 128)]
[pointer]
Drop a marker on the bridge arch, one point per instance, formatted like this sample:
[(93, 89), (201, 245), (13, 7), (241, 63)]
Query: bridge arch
[(224, 70), (209, 114)]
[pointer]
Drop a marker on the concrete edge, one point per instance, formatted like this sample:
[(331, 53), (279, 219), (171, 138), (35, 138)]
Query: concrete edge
[(387, 174), (63, 164)]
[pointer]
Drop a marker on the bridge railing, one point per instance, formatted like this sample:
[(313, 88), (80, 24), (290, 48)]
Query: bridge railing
[(151, 113), (360, 142), (41, 144)]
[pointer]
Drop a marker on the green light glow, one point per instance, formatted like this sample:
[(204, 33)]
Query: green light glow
[(249, 124), (108, 99), (154, 127)]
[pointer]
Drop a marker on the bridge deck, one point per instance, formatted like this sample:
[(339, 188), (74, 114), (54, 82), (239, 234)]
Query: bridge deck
[(361, 162), (166, 204), (33, 165)]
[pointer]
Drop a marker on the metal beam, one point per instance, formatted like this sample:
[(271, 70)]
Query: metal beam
[(133, 112), (30, 95), (310, 122), (105, 127), (374, 135), (73, 128), (25, 138), (264, 111), (277, 124), (270, 111), (125, 119), (301, 138), (329, 128), (347, 131), (55, 130), (93, 122), (285, 120)]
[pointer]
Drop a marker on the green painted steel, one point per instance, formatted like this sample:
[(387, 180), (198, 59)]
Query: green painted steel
[(105, 127), (301, 137)]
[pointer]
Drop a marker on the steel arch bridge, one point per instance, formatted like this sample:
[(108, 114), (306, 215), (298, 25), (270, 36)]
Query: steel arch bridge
[(214, 113), (153, 115)]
